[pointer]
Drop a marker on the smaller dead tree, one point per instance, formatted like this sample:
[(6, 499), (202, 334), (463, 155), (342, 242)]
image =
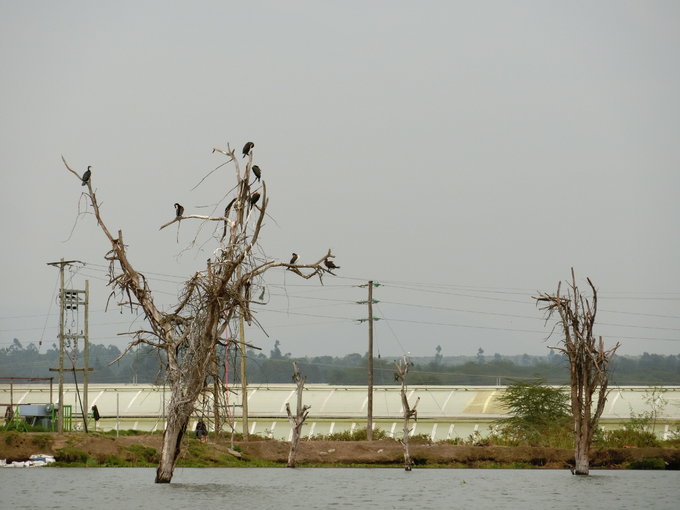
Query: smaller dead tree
[(297, 420), (402, 367), (588, 362)]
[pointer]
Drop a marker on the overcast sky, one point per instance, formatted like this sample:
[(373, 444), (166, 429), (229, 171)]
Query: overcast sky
[(465, 155)]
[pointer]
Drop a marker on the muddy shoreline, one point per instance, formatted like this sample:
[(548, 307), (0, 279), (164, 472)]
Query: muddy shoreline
[(141, 450)]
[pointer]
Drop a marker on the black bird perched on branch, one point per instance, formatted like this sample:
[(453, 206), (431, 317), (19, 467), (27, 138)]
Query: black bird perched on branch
[(228, 208), (86, 176), (226, 215), (247, 147), (254, 198), (257, 172), (294, 258), (329, 264), (179, 210)]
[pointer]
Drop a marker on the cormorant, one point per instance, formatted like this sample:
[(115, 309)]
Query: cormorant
[(294, 258), (247, 147), (246, 290), (228, 208), (254, 198), (329, 264), (226, 215), (257, 172), (86, 176), (179, 210)]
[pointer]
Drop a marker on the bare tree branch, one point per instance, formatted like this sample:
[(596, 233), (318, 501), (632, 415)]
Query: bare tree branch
[(588, 360), (209, 300)]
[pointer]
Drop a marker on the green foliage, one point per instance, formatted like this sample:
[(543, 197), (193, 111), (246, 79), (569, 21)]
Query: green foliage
[(646, 420), (539, 415), (71, 455), (41, 441), (673, 439), (144, 365), (144, 453), (129, 432), (114, 461), (356, 435), (620, 438), (12, 438), (420, 439), (653, 463), (532, 401), (453, 441)]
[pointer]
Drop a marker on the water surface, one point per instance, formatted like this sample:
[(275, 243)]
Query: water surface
[(281, 488)]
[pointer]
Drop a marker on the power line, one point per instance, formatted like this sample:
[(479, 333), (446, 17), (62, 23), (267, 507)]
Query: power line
[(519, 316)]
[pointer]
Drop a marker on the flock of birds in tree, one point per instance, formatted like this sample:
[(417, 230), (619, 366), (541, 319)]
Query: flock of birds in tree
[(254, 198), (179, 209)]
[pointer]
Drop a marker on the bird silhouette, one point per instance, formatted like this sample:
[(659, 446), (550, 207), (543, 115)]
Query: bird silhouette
[(254, 198), (179, 210), (247, 147), (294, 258), (257, 172), (86, 176), (330, 265), (226, 215), (228, 208)]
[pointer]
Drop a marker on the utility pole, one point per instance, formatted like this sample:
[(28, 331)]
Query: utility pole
[(70, 300), (370, 319), (244, 382), (86, 352), (60, 416)]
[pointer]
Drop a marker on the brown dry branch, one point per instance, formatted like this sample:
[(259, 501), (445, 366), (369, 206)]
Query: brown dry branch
[(402, 368), (589, 361), (301, 413), (193, 216), (210, 300)]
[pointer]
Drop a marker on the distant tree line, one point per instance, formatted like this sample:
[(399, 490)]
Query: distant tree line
[(141, 365), (144, 365)]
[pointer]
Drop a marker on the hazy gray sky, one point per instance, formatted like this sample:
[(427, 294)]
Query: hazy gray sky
[(463, 154)]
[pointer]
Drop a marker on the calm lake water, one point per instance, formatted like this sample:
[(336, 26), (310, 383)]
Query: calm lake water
[(281, 488)]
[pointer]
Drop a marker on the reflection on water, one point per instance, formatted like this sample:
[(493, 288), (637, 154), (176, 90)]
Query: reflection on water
[(281, 488)]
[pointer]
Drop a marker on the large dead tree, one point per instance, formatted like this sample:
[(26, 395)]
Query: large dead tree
[(189, 332), (588, 362), (402, 367), (297, 420)]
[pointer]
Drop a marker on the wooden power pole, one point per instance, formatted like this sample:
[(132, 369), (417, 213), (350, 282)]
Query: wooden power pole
[(86, 352), (244, 382), (369, 411), (71, 300)]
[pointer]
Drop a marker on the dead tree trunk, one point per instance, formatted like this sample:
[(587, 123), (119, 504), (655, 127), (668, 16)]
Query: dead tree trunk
[(588, 363), (402, 368), (189, 332), (298, 420)]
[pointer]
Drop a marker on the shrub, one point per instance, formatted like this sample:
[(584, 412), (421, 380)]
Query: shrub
[(453, 441), (113, 461), (144, 453), (653, 463), (71, 455), (12, 438), (420, 439), (357, 435), (620, 438), (41, 441), (540, 416)]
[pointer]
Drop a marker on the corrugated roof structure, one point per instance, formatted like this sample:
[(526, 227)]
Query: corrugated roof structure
[(444, 412)]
